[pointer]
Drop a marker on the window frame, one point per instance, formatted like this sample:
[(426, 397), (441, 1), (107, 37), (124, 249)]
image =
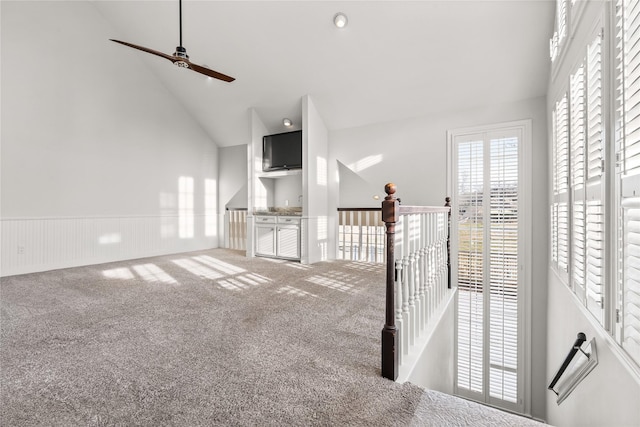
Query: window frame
[(524, 127)]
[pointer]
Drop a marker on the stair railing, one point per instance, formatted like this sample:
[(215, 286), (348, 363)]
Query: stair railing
[(417, 274)]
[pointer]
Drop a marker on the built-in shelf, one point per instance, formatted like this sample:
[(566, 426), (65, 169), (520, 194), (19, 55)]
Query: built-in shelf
[(288, 189), (278, 174)]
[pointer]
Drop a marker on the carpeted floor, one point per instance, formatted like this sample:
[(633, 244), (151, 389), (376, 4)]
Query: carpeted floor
[(204, 338)]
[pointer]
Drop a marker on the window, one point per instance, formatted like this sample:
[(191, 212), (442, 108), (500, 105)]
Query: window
[(577, 210), (561, 29), (492, 273), (595, 203)]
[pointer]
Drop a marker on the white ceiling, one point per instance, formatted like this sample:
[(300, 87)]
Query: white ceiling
[(395, 59)]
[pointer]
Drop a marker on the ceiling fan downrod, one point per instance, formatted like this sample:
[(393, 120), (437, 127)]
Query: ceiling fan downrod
[(181, 52)]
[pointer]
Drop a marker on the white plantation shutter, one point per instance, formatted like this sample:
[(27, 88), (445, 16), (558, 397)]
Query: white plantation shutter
[(560, 176), (561, 17), (554, 233), (595, 258), (595, 148), (595, 194), (470, 264), (562, 146), (630, 153), (631, 274), (563, 236), (554, 183), (628, 172), (488, 367), (577, 120), (560, 29), (503, 267), (579, 248), (630, 43)]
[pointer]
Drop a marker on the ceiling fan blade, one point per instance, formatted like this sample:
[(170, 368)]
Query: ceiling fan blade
[(182, 60), (146, 49), (208, 72)]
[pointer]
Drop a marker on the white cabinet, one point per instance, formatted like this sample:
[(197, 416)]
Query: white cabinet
[(277, 236), (288, 238), (265, 235)]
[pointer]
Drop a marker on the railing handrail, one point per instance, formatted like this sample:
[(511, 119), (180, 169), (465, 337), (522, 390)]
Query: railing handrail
[(408, 210), (565, 364), (402, 209)]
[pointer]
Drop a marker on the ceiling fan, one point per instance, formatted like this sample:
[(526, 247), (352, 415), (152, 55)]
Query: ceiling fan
[(180, 57)]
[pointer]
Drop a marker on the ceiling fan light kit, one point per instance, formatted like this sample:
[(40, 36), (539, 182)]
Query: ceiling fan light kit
[(180, 57)]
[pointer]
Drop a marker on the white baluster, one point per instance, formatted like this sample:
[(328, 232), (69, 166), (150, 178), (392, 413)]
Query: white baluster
[(432, 284), (398, 295), (419, 292), (406, 333), (425, 284), (412, 299), (420, 273)]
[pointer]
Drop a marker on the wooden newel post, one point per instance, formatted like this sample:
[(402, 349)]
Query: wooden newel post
[(389, 332), (447, 204)]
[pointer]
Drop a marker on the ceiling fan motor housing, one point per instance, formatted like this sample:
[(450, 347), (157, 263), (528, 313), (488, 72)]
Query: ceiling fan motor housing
[(181, 52)]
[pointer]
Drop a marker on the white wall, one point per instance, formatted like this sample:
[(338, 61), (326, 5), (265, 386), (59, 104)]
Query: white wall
[(412, 153), (315, 186), (354, 191), (257, 191), (233, 185), (434, 369), (609, 395), (288, 192), (93, 147), (232, 175)]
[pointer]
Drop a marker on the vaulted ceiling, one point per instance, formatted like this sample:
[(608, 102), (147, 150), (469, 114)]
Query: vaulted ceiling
[(394, 60)]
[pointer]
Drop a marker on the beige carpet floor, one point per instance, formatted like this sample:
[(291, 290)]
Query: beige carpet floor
[(204, 338)]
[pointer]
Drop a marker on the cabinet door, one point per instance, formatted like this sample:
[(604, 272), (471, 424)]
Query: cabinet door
[(289, 242), (265, 239)]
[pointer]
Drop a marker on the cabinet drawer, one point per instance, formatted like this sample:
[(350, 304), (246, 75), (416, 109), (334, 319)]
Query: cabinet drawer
[(265, 220), (288, 220)]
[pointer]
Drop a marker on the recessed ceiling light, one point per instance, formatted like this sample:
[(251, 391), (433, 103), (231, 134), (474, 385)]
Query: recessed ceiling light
[(340, 20), (287, 122)]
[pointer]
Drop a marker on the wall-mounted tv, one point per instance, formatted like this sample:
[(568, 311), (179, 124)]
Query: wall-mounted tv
[(282, 151)]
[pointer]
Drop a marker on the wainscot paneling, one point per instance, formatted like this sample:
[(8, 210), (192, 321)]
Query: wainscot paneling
[(40, 244)]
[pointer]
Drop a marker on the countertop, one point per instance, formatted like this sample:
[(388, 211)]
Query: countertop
[(279, 212)]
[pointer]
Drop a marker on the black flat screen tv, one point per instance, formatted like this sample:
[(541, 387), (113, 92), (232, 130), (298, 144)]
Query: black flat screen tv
[(282, 151)]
